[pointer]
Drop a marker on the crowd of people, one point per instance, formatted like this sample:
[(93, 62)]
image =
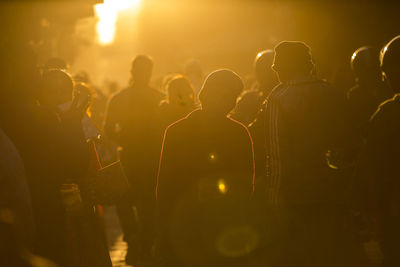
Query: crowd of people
[(285, 172)]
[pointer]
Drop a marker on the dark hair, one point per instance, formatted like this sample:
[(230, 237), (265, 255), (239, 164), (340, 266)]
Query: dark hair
[(292, 56)]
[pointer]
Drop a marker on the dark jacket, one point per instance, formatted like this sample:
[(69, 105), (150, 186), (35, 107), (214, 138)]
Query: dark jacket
[(299, 124), (204, 160)]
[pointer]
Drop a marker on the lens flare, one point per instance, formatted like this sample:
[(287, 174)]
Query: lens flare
[(222, 187), (107, 14)]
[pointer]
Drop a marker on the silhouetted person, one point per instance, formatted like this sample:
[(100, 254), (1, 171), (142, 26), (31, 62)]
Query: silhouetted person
[(206, 159), (369, 91), (251, 101), (134, 124), (378, 173), (51, 146), (180, 100), (300, 123)]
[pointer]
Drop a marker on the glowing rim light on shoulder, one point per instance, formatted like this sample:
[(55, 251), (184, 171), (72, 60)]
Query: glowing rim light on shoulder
[(107, 14)]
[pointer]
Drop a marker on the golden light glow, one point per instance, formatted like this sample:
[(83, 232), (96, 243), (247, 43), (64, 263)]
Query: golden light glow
[(353, 56), (212, 156), (222, 187), (107, 14)]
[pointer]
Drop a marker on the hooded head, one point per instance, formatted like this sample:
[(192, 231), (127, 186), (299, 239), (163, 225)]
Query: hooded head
[(220, 91), (390, 63)]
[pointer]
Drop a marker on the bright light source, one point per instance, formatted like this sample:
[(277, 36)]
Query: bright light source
[(222, 187), (107, 14)]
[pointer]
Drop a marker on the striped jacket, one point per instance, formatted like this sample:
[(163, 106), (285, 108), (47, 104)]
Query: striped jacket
[(299, 123)]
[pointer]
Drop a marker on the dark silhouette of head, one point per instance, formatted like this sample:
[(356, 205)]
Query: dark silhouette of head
[(180, 91), (390, 63), (365, 65), (141, 70), (220, 91), (262, 68), (56, 88), (293, 61)]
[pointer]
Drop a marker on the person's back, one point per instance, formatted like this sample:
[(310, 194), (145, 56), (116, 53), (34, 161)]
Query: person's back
[(305, 127), (299, 125), (206, 160)]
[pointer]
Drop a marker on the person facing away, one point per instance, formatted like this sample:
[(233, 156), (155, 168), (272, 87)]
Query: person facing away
[(205, 156), (251, 101), (378, 174), (299, 124), (180, 100), (369, 91), (133, 123), (47, 144)]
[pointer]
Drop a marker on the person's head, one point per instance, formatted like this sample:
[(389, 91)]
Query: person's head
[(390, 63), (141, 69), (262, 68), (220, 91), (56, 87), (365, 64), (292, 60), (180, 91)]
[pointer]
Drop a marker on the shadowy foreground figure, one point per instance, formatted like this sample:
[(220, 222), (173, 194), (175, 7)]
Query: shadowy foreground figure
[(378, 171), (300, 123), (205, 177)]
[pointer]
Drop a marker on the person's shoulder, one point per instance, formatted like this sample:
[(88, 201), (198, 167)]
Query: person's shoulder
[(238, 126), (353, 92), (389, 109), (181, 124)]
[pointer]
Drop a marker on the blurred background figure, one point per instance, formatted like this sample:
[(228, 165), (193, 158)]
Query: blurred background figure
[(250, 102), (133, 122), (205, 178), (180, 100)]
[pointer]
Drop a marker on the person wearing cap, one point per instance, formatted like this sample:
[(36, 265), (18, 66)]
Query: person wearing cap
[(206, 160), (299, 124), (378, 172)]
